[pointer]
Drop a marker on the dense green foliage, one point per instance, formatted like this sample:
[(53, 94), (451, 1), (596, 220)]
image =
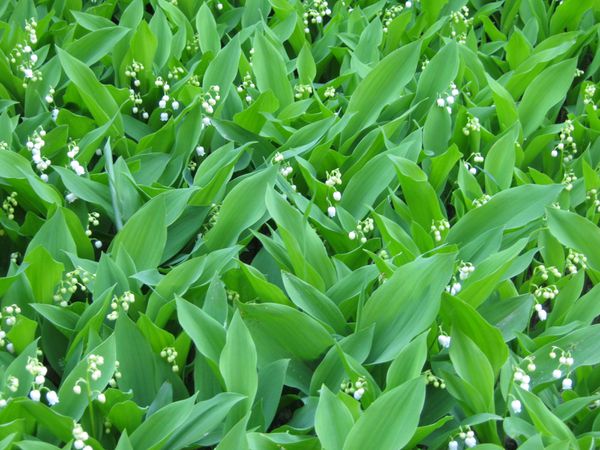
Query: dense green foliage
[(285, 224)]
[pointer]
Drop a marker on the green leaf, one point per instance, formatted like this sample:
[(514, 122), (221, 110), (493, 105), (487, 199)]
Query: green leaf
[(95, 95), (390, 422), (333, 420), (208, 335), (270, 70), (158, 428), (576, 232), (381, 85), (144, 236), (238, 360), (243, 206), (271, 325), (545, 91), (406, 304)]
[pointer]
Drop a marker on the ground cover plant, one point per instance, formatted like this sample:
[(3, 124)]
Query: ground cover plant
[(285, 224)]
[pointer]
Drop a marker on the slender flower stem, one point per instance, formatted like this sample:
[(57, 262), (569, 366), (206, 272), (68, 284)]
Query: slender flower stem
[(91, 405)]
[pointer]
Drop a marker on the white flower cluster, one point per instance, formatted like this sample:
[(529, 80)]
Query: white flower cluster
[(286, 169), (24, 57), (588, 96), (459, 24), (521, 376), (163, 103), (39, 371), (12, 383), (35, 144), (30, 28), (315, 12), (447, 99), (94, 363), (80, 437), (50, 100), (125, 300), (136, 100), (302, 91), (246, 84), (72, 281), (467, 436), (465, 269), (363, 228), (334, 178), (194, 45), (116, 375), (329, 92), (356, 389), (132, 72), (170, 354), (472, 125), (73, 151), (436, 382), (546, 292), (211, 98), (50, 96), (93, 220), (9, 204), (8, 318), (576, 261), (194, 80), (546, 272), (175, 73), (568, 179), (478, 202), (438, 227), (232, 296), (592, 194), (478, 159), (390, 14), (567, 147), (566, 359)]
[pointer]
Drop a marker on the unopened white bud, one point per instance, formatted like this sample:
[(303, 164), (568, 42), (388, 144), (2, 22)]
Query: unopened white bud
[(359, 393), (516, 406), (444, 340), (52, 398), (35, 395)]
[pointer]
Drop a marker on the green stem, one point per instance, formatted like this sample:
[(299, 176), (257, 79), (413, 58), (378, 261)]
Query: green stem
[(91, 405)]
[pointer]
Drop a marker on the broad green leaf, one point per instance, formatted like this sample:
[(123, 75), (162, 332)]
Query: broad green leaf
[(390, 422), (406, 304)]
